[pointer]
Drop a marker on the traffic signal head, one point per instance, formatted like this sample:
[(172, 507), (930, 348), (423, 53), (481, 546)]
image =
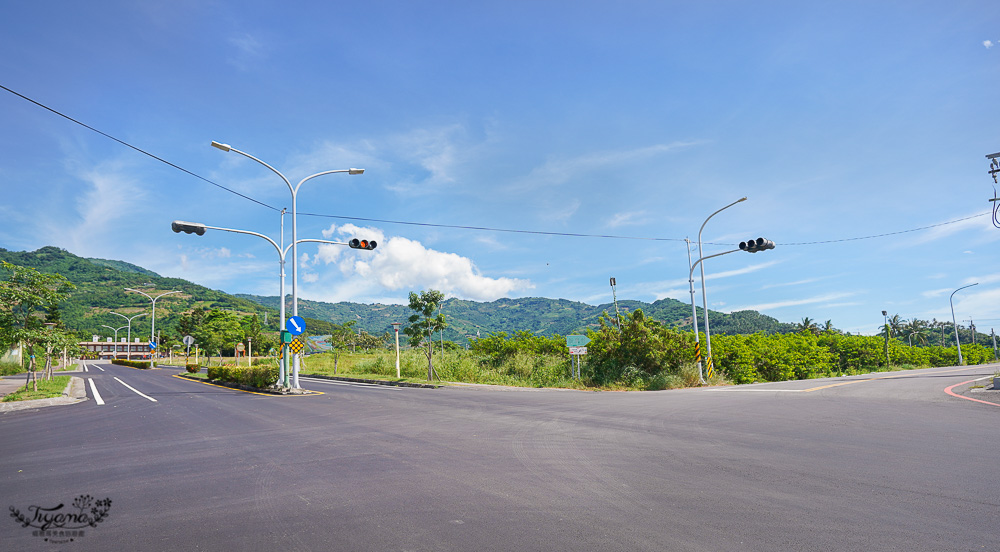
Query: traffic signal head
[(759, 244), (188, 227), (362, 244)]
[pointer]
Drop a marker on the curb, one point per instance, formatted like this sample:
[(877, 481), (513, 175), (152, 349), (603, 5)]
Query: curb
[(72, 394), (373, 382)]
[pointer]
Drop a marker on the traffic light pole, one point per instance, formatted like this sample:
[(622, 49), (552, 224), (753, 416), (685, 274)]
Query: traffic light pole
[(295, 253), (704, 294), (199, 229)]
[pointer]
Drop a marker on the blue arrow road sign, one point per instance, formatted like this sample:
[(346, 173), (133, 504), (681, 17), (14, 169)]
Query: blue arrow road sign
[(152, 344), (296, 325)]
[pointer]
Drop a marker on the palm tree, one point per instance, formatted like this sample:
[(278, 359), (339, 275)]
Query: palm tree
[(916, 329), (807, 325), (896, 324), (828, 327)]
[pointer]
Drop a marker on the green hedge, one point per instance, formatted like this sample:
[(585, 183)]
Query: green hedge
[(759, 357), (252, 376), (143, 364)]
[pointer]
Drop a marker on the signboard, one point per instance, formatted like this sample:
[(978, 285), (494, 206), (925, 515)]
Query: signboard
[(188, 340), (296, 346), (577, 350), (577, 340), (296, 325), (241, 347), (152, 345)]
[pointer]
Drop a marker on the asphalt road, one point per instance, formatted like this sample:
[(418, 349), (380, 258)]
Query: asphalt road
[(883, 462)]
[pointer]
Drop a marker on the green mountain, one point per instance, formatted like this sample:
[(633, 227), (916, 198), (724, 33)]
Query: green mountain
[(100, 288), (535, 314)]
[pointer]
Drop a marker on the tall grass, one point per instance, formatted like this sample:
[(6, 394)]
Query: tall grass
[(522, 369)]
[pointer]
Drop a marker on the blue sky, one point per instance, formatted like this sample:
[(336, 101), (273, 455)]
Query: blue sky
[(837, 120)]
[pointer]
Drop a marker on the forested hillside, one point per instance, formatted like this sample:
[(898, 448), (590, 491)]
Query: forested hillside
[(100, 288)]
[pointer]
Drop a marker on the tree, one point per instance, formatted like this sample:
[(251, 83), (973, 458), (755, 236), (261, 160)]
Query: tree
[(808, 325), (220, 330), (424, 323), (23, 296), (340, 337), (918, 330)]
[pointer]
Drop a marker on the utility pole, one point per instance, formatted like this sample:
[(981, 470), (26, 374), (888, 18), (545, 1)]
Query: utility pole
[(618, 315)]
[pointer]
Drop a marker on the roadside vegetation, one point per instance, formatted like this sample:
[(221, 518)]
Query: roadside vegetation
[(47, 389)]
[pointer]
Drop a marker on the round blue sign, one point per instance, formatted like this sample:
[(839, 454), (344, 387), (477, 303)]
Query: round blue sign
[(296, 325)]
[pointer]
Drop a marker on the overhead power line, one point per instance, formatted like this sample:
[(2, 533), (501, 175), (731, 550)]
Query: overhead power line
[(140, 150), (434, 225)]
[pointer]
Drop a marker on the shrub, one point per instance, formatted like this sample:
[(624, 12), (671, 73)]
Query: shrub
[(193, 368), (141, 364), (261, 377), (639, 352)]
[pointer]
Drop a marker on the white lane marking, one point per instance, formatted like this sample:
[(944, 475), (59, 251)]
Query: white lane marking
[(137, 392), (99, 368), (350, 383), (84, 365), (93, 388)]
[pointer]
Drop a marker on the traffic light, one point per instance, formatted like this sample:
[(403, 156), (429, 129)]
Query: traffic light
[(362, 244), (188, 227), (759, 244)]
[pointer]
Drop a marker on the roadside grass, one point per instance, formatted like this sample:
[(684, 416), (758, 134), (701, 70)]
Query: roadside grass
[(46, 390), (10, 368)]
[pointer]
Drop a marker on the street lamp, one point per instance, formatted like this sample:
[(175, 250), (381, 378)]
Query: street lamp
[(704, 296), (395, 326), (199, 229), (128, 346), (295, 253), (958, 343), (115, 352), (152, 330)]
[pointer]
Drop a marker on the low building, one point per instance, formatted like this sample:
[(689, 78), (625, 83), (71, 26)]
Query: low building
[(137, 350)]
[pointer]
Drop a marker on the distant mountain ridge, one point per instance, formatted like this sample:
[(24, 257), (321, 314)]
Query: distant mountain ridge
[(101, 282)]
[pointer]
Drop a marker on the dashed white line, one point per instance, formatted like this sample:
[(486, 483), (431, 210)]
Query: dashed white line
[(137, 392), (93, 388), (99, 368)]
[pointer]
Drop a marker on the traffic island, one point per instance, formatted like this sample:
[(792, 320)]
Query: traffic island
[(277, 391)]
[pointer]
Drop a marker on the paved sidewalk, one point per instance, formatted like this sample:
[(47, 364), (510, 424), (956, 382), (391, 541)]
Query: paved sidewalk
[(75, 392)]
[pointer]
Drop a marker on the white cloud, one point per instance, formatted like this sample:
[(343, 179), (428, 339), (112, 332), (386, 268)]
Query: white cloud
[(559, 171), (403, 264), (632, 218), (795, 302), (988, 44)]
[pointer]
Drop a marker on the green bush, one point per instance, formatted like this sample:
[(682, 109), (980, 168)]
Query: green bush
[(193, 368), (261, 377), (10, 368), (141, 364), (638, 353)]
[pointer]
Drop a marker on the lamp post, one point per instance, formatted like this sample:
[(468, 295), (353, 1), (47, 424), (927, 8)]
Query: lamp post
[(199, 229), (295, 254), (128, 340), (694, 313), (395, 326), (115, 352), (152, 328), (704, 296), (885, 328), (958, 343)]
